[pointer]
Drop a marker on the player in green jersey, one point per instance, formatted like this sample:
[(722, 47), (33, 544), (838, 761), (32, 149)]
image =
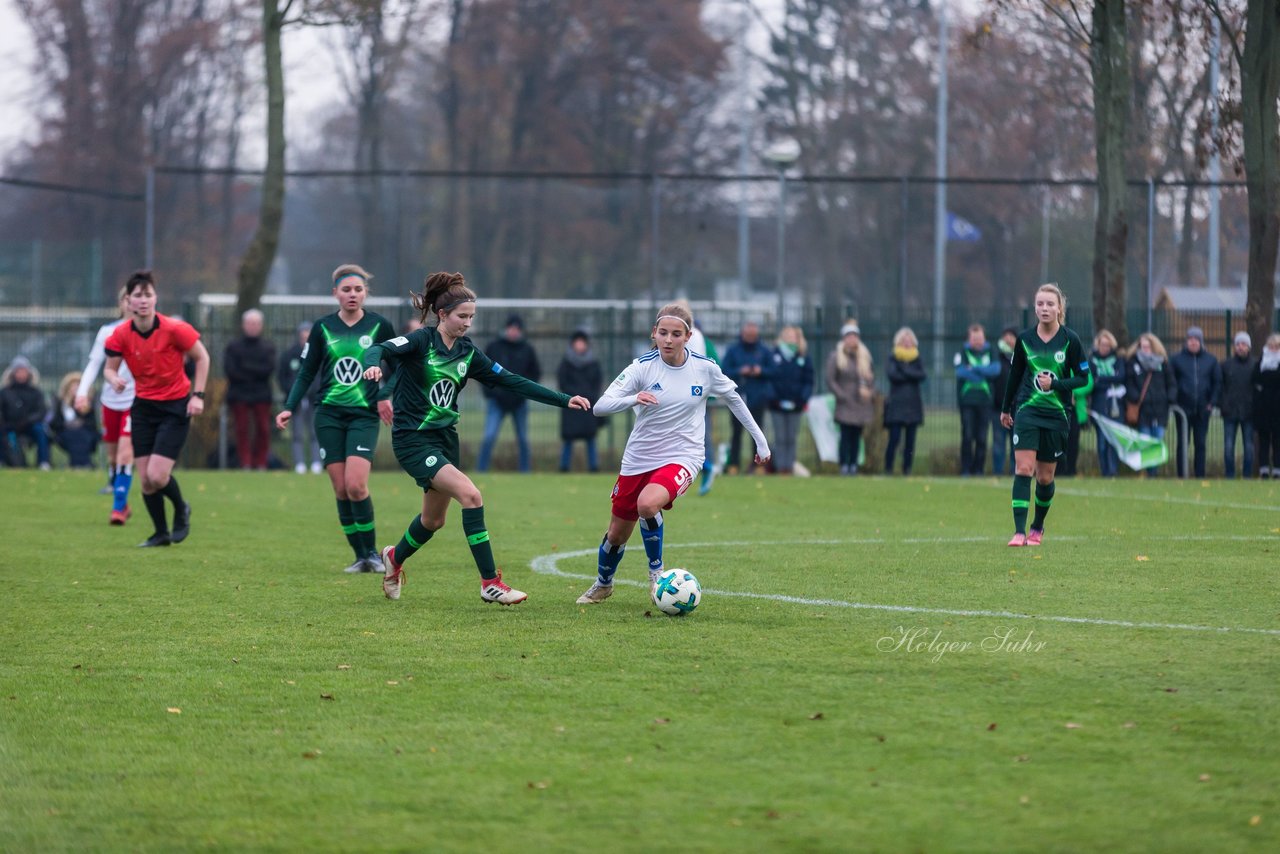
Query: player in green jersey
[(347, 406), (1049, 363), (435, 363)]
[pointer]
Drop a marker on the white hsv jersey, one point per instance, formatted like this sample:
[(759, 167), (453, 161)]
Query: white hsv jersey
[(120, 401), (672, 431)]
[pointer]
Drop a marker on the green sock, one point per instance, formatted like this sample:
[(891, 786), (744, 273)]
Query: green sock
[(1021, 501), (478, 539), (362, 516), (1044, 497), (347, 519), (415, 537)]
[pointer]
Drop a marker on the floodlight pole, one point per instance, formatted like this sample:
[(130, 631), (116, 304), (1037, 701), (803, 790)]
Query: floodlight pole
[(149, 251), (940, 198), (782, 238)]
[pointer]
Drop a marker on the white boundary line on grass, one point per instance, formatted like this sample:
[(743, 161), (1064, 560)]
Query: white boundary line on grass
[(549, 565)]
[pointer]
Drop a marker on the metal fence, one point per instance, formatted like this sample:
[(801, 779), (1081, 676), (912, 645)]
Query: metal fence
[(58, 341)]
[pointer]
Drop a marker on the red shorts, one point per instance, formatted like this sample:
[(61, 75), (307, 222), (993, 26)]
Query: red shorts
[(626, 492), (115, 424)]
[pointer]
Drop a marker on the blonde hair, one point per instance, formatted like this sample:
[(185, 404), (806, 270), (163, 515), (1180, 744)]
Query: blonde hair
[(902, 334), (1273, 341), (356, 270), (861, 357), (1157, 346), (1105, 335), (802, 346), (67, 387), (1052, 287)]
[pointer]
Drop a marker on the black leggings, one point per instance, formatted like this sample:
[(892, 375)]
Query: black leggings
[(850, 438)]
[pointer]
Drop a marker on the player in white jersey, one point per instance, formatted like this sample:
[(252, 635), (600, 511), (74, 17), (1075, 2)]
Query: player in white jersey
[(668, 387), (117, 431)]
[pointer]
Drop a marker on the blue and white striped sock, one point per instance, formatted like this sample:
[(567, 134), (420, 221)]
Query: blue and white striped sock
[(610, 557)]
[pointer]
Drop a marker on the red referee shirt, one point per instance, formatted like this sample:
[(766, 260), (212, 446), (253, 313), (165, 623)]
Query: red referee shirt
[(155, 358)]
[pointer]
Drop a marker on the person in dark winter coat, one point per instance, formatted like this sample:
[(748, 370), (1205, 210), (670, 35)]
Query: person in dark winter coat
[(22, 411), (73, 432), (579, 374), (249, 361), (512, 352), (748, 362), (1107, 366), (1236, 405), (1148, 358), (302, 424), (792, 373), (904, 407), (1199, 379), (1266, 408)]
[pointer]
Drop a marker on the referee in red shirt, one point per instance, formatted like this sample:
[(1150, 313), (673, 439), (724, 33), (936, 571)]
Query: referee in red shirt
[(154, 346)]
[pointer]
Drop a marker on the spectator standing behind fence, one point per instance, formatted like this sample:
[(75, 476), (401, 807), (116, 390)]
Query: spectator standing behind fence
[(1236, 405), (1199, 379), (977, 367), (1150, 383), (747, 362), (792, 374), (303, 421), (904, 408), (1266, 408), (1001, 436), (22, 411), (73, 431), (248, 363), (1107, 368), (513, 352), (579, 375), (851, 379)]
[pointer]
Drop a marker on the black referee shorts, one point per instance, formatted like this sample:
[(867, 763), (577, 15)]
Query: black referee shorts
[(160, 427)]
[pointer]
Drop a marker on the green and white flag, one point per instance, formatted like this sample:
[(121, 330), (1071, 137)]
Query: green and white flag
[(1136, 450)]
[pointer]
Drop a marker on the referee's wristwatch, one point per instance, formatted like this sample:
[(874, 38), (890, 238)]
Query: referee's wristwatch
[(198, 394)]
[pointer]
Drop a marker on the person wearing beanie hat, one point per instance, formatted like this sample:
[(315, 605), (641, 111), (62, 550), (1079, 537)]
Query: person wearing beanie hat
[(1199, 378), (514, 353), (1236, 405), (22, 410)]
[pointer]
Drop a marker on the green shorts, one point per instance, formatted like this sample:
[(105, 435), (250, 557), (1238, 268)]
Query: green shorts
[(1049, 443), (422, 453), (343, 432)]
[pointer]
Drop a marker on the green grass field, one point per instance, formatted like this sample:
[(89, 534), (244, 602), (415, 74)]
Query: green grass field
[(925, 689)]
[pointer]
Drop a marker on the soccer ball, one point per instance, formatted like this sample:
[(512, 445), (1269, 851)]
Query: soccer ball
[(677, 592)]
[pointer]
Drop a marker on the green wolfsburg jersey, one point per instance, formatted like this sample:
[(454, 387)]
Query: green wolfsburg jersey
[(430, 377), (1063, 356), (333, 351)]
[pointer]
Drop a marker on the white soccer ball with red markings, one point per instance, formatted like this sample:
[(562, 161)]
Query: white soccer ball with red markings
[(677, 592)]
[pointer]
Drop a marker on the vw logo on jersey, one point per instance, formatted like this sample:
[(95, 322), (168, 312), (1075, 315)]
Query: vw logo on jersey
[(441, 394), (347, 371), (366, 341), (1060, 357)]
